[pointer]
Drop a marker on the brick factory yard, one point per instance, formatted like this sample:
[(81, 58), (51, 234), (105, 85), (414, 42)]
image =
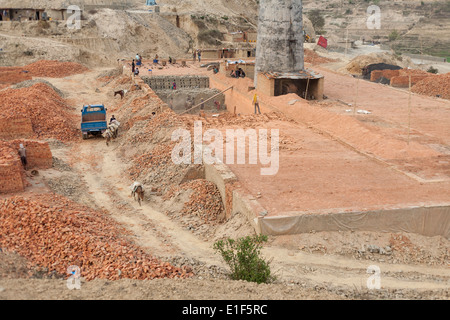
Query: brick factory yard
[(330, 161)]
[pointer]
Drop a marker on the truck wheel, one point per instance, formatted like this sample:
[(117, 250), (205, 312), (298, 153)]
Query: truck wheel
[(85, 136)]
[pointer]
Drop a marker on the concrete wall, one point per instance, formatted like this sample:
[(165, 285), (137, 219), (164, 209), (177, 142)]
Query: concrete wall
[(427, 221), (183, 99), (280, 39), (182, 82), (235, 199), (266, 85)]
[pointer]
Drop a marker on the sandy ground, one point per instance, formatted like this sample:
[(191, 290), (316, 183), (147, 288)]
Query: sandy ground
[(305, 270)]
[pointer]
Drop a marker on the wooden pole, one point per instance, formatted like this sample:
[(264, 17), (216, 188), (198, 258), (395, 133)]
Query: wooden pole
[(346, 43), (409, 110), (306, 92), (356, 97), (206, 100)]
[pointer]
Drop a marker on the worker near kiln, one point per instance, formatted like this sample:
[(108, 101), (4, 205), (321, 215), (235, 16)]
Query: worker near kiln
[(256, 103), (23, 155)]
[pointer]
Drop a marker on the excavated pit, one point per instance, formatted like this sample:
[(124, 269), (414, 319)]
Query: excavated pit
[(181, 93)]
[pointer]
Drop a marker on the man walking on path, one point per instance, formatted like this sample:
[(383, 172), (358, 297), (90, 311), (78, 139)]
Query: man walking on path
[(256, 103)]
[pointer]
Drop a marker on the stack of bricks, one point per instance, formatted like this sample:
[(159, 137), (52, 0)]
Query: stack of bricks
[(12, 174), (388, 74), (12, 177), (14, 128), (400, 78), (39, 155)]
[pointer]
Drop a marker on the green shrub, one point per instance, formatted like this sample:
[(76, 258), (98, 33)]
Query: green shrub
[(432, 70), (243, 256), (394, 35)]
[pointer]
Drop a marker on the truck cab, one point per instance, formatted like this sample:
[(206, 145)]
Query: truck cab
[(93, 120)]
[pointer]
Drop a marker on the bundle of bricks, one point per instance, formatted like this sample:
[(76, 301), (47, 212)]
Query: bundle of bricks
[(12, 175), (53, 232), (40, 105), (44, 68)]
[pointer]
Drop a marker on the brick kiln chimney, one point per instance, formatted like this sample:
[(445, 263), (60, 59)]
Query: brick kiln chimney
[(280, 37)]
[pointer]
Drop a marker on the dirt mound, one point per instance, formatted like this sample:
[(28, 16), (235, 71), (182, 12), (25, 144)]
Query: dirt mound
[(438, 85), (29, 83), (48, 112), (313, 58), (356, 65), (56, 233)]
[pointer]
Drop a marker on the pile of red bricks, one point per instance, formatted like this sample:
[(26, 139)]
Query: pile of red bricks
[(16, 127), (44, 68), (400, 78), (54, 233), (438, 85), (47, 111), (12, 75)]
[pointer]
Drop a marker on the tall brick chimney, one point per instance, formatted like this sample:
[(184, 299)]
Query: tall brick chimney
[(280, 37)]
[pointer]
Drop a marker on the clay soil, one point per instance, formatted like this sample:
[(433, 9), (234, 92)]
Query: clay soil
[(312, 266)]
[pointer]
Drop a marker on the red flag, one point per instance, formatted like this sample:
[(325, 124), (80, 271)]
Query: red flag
[(322, 42)]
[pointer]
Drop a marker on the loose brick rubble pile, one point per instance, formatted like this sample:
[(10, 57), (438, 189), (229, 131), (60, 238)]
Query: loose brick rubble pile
[(44, 68), (205, 201), (13, 75), (433, 86), (40, 104), (54, 233), (312, 57)]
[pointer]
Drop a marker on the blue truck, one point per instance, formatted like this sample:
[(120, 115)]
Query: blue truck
[(93, 120)]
